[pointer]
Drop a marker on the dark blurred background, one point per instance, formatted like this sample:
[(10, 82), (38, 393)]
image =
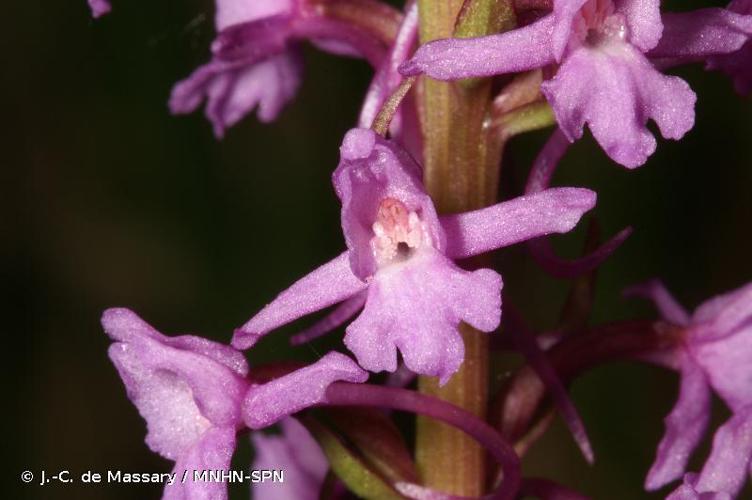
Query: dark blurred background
[(107, 200)]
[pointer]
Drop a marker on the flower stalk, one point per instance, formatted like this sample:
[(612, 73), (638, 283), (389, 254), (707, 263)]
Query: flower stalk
[(461, 161)]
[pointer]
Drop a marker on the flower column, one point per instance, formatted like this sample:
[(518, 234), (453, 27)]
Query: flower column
[(461, 173)]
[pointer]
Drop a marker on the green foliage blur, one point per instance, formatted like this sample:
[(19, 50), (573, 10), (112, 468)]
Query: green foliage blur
[(107, 200)]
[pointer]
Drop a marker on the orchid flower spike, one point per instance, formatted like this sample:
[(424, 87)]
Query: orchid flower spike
[(603, 77), (295, 452), (195, 395), (401, 257), (256, 61), (715, 354)]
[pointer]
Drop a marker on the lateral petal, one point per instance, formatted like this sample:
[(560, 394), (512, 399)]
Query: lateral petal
[(555, 210), (327, 285)]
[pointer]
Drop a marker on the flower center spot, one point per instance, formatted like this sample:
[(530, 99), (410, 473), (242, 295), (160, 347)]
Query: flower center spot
[(397, 233), (599, 23)]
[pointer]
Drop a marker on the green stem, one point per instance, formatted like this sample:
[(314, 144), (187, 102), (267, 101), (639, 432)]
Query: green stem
[(461, 159)]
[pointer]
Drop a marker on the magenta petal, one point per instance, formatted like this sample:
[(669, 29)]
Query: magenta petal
[(182, 386), (455, 58), (295, 452), (667, 305), (727, 365), (685, 426), (555, 210), (99, 7), (329, 284), (644, 23), (616, 91), (726, 470), (416, 307), (723, 315), (266, 404), (701, 33), (338, 317), (212, 452)]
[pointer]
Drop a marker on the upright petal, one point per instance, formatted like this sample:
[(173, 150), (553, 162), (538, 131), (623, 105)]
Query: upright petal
[(329, 284), (644, 24), (179, 389), (550, 211), (517, 50), (685, 426), (212, 452), (266, 404), (295, 452), (667, 305), (371, 170), (616, 91), (700, 33), (726, 470), (416, 307)]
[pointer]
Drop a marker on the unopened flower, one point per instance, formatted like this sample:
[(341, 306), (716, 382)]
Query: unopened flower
[(715, 353), (298, 455), (603, 76), (401, 255), (256, 61), (195, 395)]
